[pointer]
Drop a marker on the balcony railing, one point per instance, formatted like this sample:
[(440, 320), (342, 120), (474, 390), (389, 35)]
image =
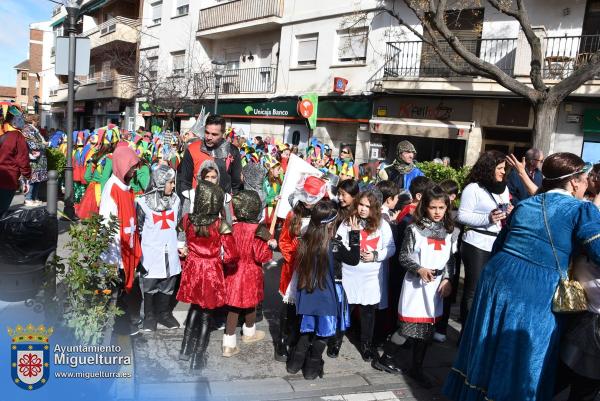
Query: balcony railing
[(115, 29), (237, 11), (241, 81), (561, 56)]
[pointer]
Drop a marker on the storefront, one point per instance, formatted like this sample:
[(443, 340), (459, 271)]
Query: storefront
[(437, 127)]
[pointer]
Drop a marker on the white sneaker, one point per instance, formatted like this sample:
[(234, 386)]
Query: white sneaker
[(439, 338), (30, 203)]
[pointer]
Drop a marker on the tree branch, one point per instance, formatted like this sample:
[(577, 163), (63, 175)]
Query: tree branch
[(437, 23), (581, 75)]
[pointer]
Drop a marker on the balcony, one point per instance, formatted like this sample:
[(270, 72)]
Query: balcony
[(561, 56), (241, 81), (239, 17), (118, 29), (104, 86)]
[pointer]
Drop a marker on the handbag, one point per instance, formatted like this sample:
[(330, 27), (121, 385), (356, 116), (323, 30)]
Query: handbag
[(569, 296)]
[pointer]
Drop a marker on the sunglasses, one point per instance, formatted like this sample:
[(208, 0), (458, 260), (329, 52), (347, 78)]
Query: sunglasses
[(345, 151)]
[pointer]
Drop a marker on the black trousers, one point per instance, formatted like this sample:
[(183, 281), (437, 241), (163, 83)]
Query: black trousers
[(474, 260), (367, 321)]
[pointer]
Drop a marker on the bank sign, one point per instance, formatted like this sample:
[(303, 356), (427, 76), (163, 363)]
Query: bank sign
[(273, 110)]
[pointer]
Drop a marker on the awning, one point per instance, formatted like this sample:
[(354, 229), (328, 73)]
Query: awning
[(58, 21), (92, 6), (591, 124), (421, 127)]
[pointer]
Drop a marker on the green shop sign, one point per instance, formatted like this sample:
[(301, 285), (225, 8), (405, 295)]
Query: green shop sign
[(285, 109), (591, 124)]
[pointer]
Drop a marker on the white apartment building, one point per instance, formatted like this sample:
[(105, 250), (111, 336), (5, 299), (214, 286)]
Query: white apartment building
[(106, 94), (278, 50), (458, 116)]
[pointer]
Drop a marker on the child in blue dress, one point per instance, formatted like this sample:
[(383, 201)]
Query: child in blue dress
[(320, 301)]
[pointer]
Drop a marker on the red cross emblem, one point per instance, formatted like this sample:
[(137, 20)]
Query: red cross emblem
[(367, 244), (437, 243), (30, 365), (163, 217)]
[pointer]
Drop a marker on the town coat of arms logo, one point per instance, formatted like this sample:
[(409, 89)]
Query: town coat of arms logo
[(30, 355)]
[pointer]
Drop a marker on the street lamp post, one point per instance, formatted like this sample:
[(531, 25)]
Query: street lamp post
[(218, 68), (72, 7)]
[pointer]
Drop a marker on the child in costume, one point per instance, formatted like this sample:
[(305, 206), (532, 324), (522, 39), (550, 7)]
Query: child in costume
[(427, 255), (364, 284), (321, 303), (98, 171), (158, 213), (272, 187), (309, 191), (244, 280), (118, 201), (202, 280)]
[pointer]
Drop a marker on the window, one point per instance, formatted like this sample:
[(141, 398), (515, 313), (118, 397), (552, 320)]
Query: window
[(156, 13), (352, 45), (178, 63), (105, 71), (307, 50), (183, 7), (24, 91), (24, 76), (152, 67), (92, 73)]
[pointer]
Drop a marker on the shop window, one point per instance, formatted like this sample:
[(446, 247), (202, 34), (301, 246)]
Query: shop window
[(307, 50), (352, 45)]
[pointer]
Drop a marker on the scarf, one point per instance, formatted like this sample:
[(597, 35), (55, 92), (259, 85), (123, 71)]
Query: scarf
[(432, 229), (495, 187), (402, 167)]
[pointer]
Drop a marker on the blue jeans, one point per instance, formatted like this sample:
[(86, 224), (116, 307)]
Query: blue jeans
[(34, 189), (6, 197)]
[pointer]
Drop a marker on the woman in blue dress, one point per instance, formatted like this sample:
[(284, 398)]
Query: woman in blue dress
[(509, 348)]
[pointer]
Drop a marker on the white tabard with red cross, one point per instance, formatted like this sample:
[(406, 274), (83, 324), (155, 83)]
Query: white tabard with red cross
[(159, 235), (419, 301)]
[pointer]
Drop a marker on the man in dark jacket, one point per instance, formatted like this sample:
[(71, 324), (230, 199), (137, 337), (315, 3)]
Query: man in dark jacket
[(533, 163), (14, 157), (213, 147)]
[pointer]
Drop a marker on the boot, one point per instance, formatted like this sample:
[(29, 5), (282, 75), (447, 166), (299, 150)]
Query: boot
[(334, 344), (281, 344), (313, 366), (298, 355), (251, 335), (165, 317), (366, 351), (149, 316), (230, 345), (199, 356), (386, 362), (416, 370), (190, 334)]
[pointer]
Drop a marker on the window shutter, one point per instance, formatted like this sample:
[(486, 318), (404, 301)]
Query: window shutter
[(307, 49)]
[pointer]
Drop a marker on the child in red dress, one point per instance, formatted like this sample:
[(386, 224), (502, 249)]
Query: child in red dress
[(202, 280), (244, 280)]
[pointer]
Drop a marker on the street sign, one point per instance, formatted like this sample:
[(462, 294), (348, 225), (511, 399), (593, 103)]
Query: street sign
[(82, 56)]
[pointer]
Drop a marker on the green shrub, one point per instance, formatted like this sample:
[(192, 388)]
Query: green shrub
[(438, 172), (56, 161)]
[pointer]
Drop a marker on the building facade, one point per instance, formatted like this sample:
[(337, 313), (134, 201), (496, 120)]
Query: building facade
[(106, 94)]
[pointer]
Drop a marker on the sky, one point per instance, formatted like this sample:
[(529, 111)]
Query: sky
[(15, 17)]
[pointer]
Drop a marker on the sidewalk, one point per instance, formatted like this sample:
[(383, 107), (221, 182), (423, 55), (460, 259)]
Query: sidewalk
[(254, 374)]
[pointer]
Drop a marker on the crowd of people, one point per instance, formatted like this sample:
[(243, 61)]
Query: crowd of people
[(377, 255)]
